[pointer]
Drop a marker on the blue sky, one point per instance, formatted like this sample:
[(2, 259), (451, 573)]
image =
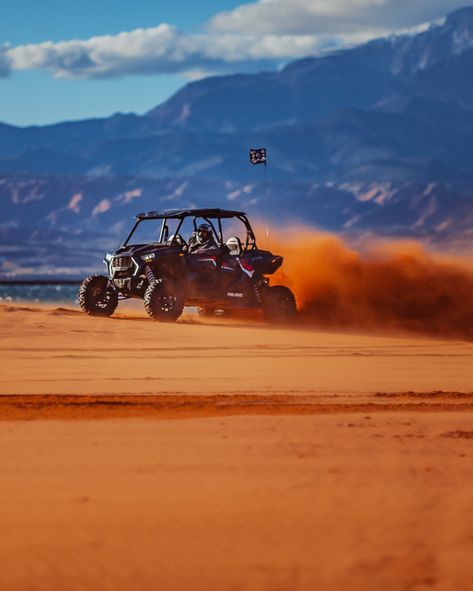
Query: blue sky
[(64, 60), (34, 21)]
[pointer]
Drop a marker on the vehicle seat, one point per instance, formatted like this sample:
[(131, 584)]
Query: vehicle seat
[(234, 246), (179, 240)]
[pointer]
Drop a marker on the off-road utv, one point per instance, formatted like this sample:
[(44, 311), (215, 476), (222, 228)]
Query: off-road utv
[(157, 265)]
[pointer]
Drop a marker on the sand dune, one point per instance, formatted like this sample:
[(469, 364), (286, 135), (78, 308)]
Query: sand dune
[(230, 455)]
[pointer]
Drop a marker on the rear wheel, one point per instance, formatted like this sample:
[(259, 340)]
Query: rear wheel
[(96, 298), (279, 304), (163, 301)]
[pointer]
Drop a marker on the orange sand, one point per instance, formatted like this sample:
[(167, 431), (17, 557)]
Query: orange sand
[(303, 460), (62, 351)]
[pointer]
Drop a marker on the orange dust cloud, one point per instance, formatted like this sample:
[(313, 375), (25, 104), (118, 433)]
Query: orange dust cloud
[(396, 285)]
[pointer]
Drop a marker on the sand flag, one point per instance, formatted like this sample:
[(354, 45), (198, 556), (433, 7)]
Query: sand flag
[(258, 156)]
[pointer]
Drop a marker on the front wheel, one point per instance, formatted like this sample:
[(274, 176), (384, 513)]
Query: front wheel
[(279, 304), (96, 298), (163, 301)]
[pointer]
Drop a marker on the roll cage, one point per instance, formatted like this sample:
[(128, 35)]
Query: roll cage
[(213, 217)]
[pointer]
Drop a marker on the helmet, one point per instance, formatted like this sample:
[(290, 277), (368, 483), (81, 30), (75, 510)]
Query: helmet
[(204, 232)]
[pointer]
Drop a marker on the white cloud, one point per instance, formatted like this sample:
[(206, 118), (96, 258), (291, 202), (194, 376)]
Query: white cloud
[(337, 17), (293, 16), (160, 50), (251, 37)]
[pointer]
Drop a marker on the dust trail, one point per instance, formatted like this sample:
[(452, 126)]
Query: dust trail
[(395, 285)]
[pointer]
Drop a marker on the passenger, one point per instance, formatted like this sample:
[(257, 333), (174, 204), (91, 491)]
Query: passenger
[(202, 240)]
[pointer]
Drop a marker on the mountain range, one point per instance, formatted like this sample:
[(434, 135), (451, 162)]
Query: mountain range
[(377, 138)]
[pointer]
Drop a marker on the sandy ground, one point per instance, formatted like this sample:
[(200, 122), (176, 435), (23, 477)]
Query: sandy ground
[(61, 351), (136, 455)]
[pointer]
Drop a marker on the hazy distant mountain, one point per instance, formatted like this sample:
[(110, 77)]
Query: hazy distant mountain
[(307, 90), (407, 99), (374, 138), (64, 224)]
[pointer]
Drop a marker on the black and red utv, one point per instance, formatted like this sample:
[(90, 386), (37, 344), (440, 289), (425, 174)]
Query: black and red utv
[(157, 264)]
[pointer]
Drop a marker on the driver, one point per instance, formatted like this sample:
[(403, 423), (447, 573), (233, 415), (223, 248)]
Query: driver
[(202, 239)]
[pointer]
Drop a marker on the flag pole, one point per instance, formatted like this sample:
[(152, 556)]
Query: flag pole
[(258, 156), (266, 200)]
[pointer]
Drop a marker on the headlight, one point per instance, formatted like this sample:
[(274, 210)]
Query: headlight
[(148, 257)]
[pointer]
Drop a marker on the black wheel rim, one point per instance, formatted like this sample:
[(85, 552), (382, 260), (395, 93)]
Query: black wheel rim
[(167, 302), (101, 297)]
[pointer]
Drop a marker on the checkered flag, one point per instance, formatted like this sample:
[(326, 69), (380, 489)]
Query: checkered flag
[(258, 155)]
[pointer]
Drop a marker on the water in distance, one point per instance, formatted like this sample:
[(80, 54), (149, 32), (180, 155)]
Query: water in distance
[(38, 293)]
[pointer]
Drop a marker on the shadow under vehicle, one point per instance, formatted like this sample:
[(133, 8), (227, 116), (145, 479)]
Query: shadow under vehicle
[(155, 264)]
